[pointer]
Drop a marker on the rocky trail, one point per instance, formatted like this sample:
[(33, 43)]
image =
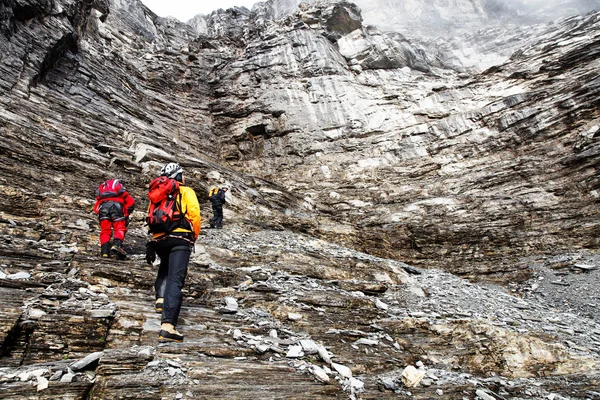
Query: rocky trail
[(276, 314)]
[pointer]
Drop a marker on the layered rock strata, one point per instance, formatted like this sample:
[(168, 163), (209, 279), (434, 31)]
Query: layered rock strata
[(355, 158)]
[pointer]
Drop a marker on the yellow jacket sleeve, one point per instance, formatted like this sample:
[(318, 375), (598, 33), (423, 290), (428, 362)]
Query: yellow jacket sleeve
[(191, 207)]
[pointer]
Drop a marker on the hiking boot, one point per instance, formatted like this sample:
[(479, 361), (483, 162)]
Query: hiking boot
[(118, 250), (168, 333), (105, 250), (159, 305)]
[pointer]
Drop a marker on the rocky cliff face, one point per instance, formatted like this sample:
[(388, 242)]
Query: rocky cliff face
[(407, 157), (442, 17), (362, 163)]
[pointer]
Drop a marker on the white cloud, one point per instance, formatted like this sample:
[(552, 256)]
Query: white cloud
[(187, 9)]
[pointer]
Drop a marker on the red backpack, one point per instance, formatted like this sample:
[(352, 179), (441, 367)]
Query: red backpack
[(111, 189), (164, 213)]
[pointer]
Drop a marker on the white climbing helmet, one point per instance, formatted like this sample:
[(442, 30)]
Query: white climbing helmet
[(171, 170)]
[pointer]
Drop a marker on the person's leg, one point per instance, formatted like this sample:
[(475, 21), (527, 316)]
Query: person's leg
[(160, 284), (219, 217), (212, 220), (105, 234), (120, 230), (179, 258), (117, 247)]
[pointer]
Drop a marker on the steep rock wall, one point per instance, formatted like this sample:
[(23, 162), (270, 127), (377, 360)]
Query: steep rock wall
[(415, 161)]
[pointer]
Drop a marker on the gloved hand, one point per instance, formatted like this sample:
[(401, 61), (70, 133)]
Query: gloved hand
[(150, 253)]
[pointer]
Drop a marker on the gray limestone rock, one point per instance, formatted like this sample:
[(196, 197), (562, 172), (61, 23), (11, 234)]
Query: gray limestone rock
[(86, 361)]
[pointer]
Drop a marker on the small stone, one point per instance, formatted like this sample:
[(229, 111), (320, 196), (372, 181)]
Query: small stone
[(179, 396), (97, 288), (24, 376), (294, 352), (237, 334), (67, 378), (231, 306), (36, 313), (389, 383), (294, 316), (262, 348), (483, 395), (412, 376), (356, 384), (439, 392), (84, 362), (368, 342), (273, 333), (342, 370), (56, 376), (309, 346), (585, 267), (72, 249), (324, 354), (381, 305), (534, 287), (320, 374), (174, 364), (19, 275), (42, 383)]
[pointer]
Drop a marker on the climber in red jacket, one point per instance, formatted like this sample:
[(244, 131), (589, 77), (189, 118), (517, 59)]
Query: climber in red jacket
[(113, 206)]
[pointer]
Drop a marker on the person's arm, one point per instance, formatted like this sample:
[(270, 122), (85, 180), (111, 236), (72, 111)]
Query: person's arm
[(129, 204), (192, 209)]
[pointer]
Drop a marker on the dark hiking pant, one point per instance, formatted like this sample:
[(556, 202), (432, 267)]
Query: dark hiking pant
[(174, 256), (217, 219)]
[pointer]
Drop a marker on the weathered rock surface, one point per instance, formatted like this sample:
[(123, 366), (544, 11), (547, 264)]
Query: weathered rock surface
[(370, 175)]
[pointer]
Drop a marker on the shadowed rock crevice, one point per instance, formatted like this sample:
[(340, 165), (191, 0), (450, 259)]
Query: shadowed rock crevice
[(67, 43), (13, 347)]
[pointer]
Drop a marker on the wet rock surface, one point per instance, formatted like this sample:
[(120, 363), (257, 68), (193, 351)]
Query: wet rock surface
[(399, 226)]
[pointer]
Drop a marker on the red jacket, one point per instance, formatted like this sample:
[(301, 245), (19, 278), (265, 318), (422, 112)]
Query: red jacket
[(113, 190)]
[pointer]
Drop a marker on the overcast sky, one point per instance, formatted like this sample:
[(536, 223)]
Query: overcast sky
[(184, 10)]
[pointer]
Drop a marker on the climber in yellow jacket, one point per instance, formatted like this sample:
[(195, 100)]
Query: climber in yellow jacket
[(174, 221)]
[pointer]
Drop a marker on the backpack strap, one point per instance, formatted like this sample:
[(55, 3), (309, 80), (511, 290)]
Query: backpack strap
[(183, 218)]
